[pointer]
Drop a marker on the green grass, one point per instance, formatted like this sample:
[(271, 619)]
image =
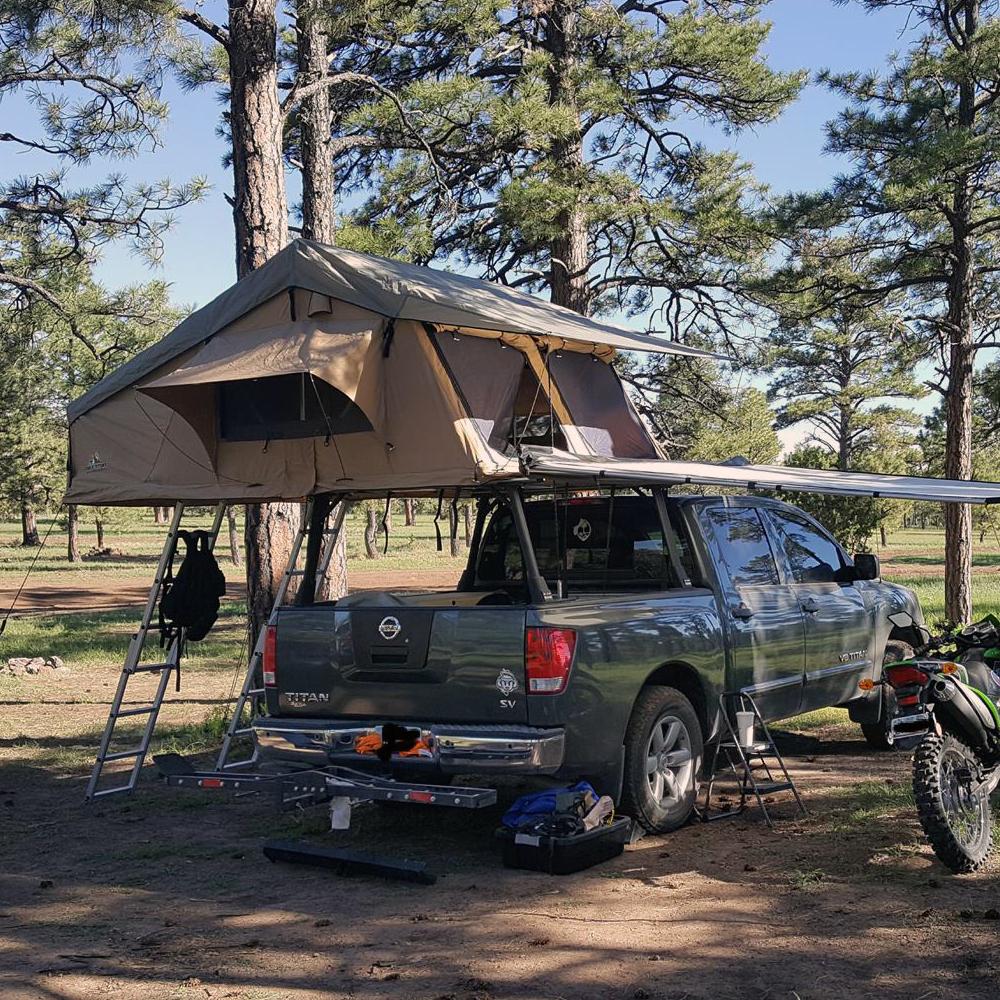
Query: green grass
[(856, 807), (91, 640)]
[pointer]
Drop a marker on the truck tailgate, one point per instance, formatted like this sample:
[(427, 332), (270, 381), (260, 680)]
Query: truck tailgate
[(402, 663)]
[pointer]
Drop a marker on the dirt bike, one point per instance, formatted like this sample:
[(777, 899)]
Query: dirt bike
[(947, 694)]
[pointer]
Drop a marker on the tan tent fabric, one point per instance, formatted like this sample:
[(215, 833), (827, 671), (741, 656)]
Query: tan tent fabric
[(386, 288)]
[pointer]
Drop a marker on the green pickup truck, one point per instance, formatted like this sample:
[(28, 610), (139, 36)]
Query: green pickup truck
[(590, 636)]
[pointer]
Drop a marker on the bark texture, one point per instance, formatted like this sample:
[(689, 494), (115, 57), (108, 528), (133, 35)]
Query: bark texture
[(29, 526), (371, 531), (409, 513), (99, 525), (260, 217), (570, 249), (73, 533), (234, 538), (960, 321)]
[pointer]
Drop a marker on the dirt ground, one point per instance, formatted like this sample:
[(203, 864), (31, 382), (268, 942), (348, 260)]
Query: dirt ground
[(167, 896)]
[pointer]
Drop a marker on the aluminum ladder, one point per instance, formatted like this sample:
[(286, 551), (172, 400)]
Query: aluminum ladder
[(120, 709), (252, 693), (759, 768)]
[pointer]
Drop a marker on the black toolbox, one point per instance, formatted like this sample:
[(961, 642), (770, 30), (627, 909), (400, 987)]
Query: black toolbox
[(564, 855)]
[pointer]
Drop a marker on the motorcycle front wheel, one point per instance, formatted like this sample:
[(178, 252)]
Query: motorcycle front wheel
[(957, 820)]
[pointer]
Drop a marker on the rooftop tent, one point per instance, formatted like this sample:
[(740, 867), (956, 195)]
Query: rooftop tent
[(326, 370), (580, 470)]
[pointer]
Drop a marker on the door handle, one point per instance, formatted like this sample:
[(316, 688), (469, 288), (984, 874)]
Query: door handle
[(741, 611), (810, 605)]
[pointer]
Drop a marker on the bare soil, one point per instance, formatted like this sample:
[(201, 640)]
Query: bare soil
[(167, 896)]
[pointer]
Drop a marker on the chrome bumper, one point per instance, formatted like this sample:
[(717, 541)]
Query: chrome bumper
[(452, 749)]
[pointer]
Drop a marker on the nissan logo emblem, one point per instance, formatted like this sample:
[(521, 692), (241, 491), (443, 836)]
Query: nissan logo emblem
[(389, 627)]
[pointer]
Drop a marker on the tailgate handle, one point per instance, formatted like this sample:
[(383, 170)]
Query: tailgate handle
[(389, 656)]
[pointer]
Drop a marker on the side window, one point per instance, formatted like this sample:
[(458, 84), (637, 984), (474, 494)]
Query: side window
[(746, 550), (684, 545), (500, 559), (812, 556)]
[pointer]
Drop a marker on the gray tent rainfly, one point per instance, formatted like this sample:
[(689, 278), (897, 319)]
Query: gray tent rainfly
[(332, 371), (562, 466)]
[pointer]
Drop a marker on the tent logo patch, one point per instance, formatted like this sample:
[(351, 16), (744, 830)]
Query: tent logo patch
[(389, 627), (582, 529), (96, 464)]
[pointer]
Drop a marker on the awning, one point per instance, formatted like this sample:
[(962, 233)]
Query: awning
[(559, 465)]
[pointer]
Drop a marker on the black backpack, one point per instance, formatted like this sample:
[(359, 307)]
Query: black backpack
[(192, 597)]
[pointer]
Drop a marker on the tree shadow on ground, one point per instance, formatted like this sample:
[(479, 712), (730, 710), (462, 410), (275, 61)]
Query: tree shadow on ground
[(167, 896)]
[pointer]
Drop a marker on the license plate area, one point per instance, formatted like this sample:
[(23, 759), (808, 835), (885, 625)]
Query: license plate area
[(392, 741)]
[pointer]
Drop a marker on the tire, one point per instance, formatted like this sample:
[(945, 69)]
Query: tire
[(878, 735), (662, 798), (961, 837)]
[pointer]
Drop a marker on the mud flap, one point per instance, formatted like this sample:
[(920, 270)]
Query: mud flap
[(867, 710)]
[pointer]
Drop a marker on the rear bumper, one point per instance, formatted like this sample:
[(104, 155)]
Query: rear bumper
[(453, 749)]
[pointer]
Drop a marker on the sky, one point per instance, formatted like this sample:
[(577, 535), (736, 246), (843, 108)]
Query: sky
[(198, 260)]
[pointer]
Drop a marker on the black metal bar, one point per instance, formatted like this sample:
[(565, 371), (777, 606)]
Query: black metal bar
[(538, 589), (670, 537), (484, 507), (347, 862), (322, 504)]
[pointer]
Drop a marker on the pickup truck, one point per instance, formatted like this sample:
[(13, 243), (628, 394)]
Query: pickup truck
[(590, 636)]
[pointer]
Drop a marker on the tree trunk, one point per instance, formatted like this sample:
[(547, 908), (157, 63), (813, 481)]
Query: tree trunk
[(409, 513), (570, 250), (371, 532), (260, 216), (73, 533), (269, 532), (314, 128), (234, 538), (467, 515), (29, 526), (882, 536), (99, 524), (452, 530), (961, 355), (157, 515)]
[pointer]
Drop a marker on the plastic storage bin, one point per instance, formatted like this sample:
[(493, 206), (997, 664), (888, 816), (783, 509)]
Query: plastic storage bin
[(564, 855)]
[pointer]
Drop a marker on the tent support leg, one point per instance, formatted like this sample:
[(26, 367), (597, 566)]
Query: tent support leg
[(538, 589)]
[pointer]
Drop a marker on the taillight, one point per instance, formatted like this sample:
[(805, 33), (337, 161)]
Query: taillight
[(270, 658), (548, 655), (905, 676)]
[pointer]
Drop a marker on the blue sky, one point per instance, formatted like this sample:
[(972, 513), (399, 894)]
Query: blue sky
[(787, 155)]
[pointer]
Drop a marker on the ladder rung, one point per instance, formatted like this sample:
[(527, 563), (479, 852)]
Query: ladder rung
[(775, 786), (149, 668), (111, 791), (297, 572), (241, 732), (123, 754), (254, 692), (144, 710)]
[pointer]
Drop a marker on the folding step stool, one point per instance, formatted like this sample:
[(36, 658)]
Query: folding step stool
[(759, 769)]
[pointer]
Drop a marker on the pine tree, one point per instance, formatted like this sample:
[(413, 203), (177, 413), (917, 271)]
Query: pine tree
[(832, 366), (922, 209), (556, 148)]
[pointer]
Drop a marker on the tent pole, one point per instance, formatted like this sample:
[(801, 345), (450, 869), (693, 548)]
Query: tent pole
[(538, 589)]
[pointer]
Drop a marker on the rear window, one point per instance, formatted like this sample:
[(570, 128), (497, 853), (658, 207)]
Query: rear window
[(601, 543)]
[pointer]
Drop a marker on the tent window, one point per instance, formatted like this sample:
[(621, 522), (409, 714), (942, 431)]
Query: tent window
[(534, 423), (286, 406), (599, 407)]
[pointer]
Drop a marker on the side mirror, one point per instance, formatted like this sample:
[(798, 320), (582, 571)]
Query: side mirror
[(866, 566)]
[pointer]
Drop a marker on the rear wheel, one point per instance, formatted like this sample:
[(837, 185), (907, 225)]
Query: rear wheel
[(956, 818), (879, 734), (663, 754)]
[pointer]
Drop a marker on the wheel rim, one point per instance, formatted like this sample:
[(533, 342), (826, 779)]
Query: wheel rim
[(966, 810), (669, 761)]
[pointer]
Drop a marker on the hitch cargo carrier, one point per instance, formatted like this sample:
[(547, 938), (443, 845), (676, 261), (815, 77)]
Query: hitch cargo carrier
[(313, 786)]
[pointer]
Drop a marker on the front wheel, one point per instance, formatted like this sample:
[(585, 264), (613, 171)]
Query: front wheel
[(956, 819), (663, 753)]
